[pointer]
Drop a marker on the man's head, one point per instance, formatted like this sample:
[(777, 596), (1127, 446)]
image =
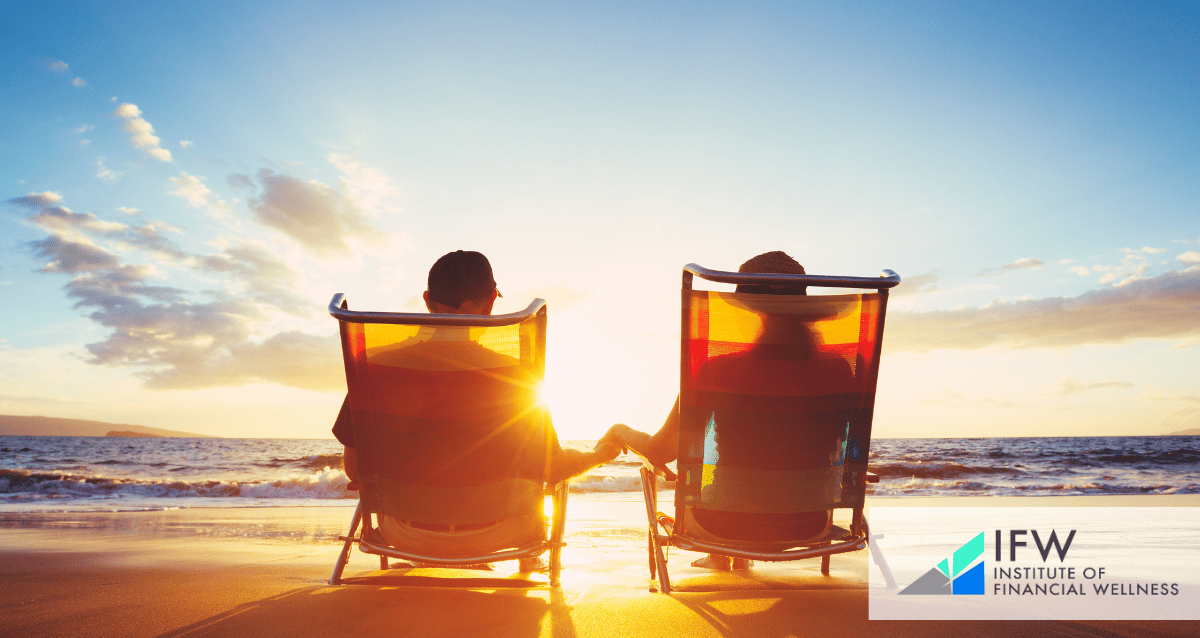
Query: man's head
[(775, 261), (461, 283)]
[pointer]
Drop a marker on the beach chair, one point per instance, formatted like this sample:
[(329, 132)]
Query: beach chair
[(449, 433), (776, 396)]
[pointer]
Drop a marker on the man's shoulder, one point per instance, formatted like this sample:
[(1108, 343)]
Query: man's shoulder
[(442, 355)]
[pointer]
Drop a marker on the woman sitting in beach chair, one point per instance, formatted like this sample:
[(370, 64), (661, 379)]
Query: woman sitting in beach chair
[(772, 424)]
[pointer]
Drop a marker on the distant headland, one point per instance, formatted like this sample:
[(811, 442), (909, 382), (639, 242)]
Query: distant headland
[(1191, 432), (11, 425)]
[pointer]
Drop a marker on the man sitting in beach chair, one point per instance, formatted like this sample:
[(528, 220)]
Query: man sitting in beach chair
[(443, 430), (772, 424)]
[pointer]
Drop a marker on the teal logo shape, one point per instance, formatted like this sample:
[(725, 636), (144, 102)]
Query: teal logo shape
[(952, 577)]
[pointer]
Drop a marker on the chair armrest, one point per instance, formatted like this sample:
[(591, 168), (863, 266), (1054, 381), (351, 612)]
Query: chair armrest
[(872, 478)]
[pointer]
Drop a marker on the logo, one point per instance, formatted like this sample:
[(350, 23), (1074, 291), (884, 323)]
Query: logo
[(951, 577)]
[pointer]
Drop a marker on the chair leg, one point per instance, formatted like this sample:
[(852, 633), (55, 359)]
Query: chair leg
[(383, 562), (558, 532), (650, 555), (877, 556), (344, 556), (657, 562), (664, 580), (825, 564)]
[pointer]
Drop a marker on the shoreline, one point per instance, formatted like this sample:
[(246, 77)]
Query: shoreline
[(233, 571)]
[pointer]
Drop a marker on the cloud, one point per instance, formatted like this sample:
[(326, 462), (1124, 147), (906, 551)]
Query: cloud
[(1157, 307), (1068, 387), (240, 181), (104, 173), (72, 257), (291, 358), (191, 189), (917, 284), (79, 82), (141, 133), (1025, 263), (260, 276), (172, 340), (128, 211), (84, 128), (318, 217), (62, 220), (1080, 270), (186, 144), (366, 185), (37, 200), (1190, 257), (84, 142), (1159, 395), (58, 66)]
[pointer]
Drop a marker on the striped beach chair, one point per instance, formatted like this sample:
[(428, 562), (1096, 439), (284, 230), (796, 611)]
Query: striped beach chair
[(776, 398), (449, 433)]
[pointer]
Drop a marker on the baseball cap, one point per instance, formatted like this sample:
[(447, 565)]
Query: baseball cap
[(460, 276)]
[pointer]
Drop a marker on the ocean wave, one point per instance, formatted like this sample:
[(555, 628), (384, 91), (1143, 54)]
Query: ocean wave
[(924, 470), (324, 484), (920, 487), (590, 483), (312, 461)]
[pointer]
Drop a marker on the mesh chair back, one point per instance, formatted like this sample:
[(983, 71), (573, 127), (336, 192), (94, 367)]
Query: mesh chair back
[(776, 400), (447, 423)]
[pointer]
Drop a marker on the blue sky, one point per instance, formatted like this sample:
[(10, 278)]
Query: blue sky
[(187, 185)]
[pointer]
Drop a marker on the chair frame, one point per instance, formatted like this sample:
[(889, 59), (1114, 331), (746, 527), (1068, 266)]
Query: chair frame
[(370, 543), (859, 533)]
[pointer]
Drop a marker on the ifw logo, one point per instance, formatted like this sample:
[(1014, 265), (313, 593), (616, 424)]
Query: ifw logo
[(952, 577)]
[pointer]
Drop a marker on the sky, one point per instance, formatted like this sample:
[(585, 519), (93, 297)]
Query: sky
[(186, 185)]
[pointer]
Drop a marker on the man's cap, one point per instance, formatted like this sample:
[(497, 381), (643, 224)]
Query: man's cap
[(460, 276), (777, 262)]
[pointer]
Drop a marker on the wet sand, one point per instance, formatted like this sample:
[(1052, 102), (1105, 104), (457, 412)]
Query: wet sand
[(263, 572)]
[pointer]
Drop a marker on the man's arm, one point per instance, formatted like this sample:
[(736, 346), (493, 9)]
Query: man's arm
[(568, 463)]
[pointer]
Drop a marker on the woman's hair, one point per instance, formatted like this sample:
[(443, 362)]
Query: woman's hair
[(777, 262)]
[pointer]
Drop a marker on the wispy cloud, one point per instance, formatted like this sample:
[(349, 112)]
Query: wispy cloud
[(1025, 263), (141, 133), (318, 217), (191, 189), (1190, 257), (1156, 307), (104, 173), (1068, 387), (79, 82), (58, 66), (171, 339), (186, 144), (917, 284)]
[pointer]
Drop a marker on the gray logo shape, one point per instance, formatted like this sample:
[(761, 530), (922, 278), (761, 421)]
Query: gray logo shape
[(934, 582)]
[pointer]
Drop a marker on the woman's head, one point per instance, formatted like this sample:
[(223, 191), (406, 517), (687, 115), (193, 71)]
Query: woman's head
[(776, 262)]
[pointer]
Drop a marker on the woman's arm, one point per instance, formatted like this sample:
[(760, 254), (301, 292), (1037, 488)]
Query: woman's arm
[(661, 448)]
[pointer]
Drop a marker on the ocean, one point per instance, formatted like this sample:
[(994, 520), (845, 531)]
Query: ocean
[(74, 474)]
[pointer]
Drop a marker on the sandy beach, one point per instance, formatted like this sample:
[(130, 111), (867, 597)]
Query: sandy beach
[(226, 572)]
